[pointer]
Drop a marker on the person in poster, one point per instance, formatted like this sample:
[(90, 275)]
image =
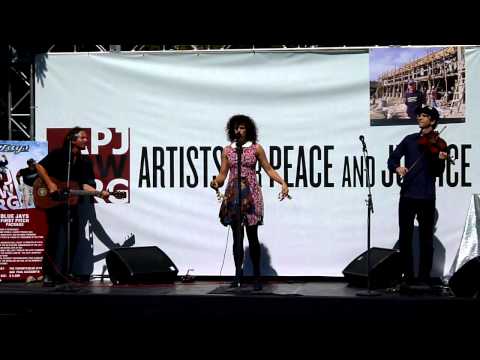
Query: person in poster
[(3, 169), (27, 176)]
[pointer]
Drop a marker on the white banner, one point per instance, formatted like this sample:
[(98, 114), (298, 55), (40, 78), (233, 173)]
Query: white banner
[(310, 109)]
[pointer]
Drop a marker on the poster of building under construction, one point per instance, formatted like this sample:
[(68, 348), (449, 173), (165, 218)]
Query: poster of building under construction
[(403, 78)]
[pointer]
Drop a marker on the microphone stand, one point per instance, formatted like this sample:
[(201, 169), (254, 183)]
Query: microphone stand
[(369, 204), (69, 165), (68, 287), (239, 189)]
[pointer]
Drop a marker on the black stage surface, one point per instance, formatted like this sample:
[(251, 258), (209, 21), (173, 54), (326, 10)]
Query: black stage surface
[(211, 300)]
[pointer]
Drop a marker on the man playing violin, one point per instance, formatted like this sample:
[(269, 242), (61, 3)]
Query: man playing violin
[(424, 162), (62, 164)]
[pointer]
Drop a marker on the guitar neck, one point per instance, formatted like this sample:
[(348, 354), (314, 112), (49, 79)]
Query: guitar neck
[(85, 193)]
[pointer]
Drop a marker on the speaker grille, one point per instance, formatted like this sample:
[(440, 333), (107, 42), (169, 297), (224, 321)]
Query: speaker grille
[(384, 268), (140, 265)]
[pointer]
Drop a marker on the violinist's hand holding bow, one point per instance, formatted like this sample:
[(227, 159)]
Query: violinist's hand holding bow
[(442, 155), (401, 170)]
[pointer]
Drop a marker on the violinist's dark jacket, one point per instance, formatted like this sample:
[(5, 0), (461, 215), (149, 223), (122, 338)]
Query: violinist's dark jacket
[(419, 182)]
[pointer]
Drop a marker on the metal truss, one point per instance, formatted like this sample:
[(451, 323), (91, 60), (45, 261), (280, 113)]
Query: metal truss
[(20, 101), (21, 91)]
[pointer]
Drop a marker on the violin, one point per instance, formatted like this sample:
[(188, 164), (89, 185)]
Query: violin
[(434, 144)]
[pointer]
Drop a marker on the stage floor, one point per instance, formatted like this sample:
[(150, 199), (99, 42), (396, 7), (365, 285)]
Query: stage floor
[(212, 300)]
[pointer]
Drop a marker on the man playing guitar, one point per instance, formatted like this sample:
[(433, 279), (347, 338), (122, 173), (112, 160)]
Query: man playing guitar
[(65, 164)]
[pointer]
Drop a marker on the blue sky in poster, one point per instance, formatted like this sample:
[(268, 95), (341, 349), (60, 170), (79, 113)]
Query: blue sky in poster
[(386, 59), (36, 150)]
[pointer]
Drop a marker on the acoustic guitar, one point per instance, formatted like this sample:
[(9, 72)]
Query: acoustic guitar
[(44, 200)]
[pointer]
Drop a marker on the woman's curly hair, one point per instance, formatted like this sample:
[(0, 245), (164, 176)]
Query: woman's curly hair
[(237, 120)]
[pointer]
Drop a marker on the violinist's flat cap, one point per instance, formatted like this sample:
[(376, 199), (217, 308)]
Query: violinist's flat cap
[(428, 110)]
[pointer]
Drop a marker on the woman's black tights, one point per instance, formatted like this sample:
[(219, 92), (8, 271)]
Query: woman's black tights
[(254, 245)]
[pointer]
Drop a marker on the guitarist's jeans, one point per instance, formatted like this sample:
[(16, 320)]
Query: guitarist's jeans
[(55, 258)]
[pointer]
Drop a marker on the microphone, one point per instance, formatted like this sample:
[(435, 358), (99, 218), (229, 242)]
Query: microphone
[(362, 139), (237, 142)]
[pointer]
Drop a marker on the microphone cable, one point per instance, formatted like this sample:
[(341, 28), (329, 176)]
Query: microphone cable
[(226, 246)]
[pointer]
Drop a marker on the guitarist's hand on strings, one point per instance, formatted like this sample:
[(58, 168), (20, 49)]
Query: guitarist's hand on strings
[(52, 187)]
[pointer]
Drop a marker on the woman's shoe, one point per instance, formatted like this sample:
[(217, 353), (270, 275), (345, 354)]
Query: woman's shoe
[(236, 282)]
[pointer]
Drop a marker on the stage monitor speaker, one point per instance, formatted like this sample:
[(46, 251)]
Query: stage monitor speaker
[(466, 281), (140, 265), (385, 268)]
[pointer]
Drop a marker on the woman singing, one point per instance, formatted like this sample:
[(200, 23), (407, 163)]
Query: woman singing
[(242, 132)]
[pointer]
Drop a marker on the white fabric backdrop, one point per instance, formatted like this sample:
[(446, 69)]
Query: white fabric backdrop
[(296, 99)]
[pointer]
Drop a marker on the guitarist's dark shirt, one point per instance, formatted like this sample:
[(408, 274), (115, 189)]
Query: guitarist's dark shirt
[(56, 164), (81, 172)]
